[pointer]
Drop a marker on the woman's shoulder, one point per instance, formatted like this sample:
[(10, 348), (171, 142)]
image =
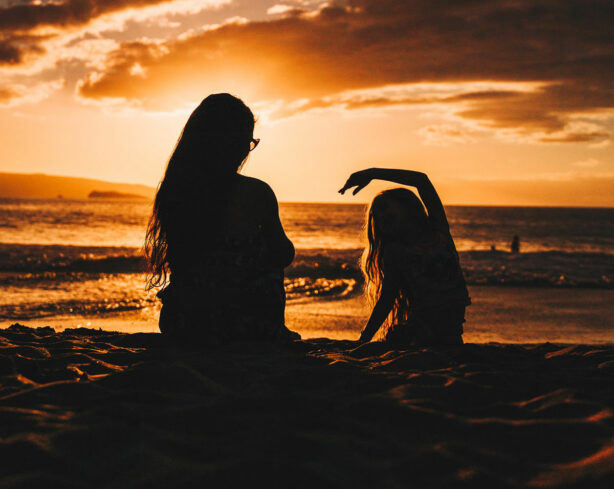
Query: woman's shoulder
[(253, 184), (255, 192)]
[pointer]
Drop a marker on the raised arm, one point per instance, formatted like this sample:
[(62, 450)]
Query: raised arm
[(419, 180)]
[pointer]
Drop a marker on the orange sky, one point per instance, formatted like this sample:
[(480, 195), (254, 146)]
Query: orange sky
[(500, 102)]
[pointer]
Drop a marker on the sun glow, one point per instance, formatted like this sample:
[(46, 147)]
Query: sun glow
[(333, 90)]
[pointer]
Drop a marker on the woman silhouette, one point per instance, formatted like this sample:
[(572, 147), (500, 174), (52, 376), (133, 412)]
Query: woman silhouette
[(215, 244)]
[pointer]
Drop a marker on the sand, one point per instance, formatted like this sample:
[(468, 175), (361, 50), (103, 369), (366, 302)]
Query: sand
[(93, 409)]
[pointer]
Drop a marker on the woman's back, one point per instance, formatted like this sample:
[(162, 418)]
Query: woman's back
[(247, 241)]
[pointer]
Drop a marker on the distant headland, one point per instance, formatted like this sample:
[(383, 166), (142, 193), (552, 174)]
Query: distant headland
[(111, 194), (40, 186)]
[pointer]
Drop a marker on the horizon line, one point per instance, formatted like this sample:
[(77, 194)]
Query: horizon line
[(154, 189), (317, 202)]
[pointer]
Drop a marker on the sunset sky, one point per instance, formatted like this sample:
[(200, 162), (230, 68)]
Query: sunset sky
[(508, 102)]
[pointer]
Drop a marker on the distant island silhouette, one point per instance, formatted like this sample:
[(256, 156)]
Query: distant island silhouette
[(111, 194), (40, 186)]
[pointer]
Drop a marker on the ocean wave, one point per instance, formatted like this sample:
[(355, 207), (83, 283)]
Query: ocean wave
[(30, 258), (538, 269), (48, 294), (97, 286), (69, 307), (548, 268)]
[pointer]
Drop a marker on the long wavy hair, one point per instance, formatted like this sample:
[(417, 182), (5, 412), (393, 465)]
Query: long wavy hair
[(372, 261), (191, 200)]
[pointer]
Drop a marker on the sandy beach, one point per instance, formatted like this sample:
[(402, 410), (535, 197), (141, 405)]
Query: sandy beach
[(86, 408), (340, 169)]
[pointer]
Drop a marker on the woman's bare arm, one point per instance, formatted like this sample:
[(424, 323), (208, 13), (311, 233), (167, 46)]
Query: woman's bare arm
[(280, 249), (419, 180)]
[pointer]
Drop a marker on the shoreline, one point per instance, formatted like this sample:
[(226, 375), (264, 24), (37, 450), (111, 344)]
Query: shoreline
[(498, 314)]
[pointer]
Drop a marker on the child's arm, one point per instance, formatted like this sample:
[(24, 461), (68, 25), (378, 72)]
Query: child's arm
[(378, 315), (427, 192), (389, 293)]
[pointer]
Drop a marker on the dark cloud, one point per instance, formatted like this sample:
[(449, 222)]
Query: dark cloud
[(15, 47), (69, 12), (17, 19), (548, 109), (361, 101), (567, 45), (316, 55), (9, 52), (578, 137)]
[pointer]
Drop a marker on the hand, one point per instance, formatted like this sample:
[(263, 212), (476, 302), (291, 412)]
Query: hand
[(360, 180)]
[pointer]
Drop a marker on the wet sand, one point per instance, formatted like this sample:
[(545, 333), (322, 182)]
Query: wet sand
[(500, 314), (93, 409)]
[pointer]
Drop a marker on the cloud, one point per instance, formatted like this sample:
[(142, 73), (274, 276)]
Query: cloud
[(280, 9), (19, 22), (16, 47), (18, 94), (588, 163), (445, 134), (577, 137), (30, 15), (314, 55), (7, 94), (412, 94), (31, 29), (310, 58)]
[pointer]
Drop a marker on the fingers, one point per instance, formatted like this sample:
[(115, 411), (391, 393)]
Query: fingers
[(347, 186), (355, 180), (358, 189)]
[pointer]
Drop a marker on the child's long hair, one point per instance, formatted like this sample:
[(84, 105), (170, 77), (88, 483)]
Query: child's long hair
[(372, 261), (191, 199)]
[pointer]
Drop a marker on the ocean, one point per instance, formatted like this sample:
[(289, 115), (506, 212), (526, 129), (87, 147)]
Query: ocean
[(82, 259)]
